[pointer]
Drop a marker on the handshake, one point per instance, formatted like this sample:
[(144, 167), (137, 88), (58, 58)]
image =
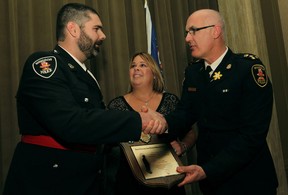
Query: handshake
[(152, 122)]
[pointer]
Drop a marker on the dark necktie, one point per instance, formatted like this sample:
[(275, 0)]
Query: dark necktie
[(207, 71)]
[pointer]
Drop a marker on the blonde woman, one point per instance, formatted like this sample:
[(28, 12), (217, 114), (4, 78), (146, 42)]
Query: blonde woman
[(146, 89)]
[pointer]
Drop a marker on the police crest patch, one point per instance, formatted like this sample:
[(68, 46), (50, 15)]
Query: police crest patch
[(259, 74), (45, 67)]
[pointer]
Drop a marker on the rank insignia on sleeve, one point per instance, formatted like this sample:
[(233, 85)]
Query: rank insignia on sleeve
[(259, 75), (45, 67)]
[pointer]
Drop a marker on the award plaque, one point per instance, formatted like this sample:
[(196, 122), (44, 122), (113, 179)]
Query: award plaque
[(153, 164)]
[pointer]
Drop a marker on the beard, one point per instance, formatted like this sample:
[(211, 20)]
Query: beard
[(87, 46)]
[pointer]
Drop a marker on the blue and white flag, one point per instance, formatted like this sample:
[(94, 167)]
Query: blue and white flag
[(151, 37)]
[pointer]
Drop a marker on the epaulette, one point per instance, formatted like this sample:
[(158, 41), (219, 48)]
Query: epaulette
[(249, 56)]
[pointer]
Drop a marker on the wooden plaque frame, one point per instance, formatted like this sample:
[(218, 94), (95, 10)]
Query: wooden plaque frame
[(163, 181)]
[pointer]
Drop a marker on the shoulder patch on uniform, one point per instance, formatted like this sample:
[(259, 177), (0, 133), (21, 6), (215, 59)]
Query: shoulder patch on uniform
[(45, 67), (259, 75)]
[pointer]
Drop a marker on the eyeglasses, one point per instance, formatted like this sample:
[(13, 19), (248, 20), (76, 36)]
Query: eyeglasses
[(192, 30)]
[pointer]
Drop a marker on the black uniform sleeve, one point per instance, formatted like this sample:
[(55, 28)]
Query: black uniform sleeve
[(186, 113), (64, 106)]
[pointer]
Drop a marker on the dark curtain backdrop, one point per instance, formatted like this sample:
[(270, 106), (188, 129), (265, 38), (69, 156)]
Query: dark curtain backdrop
[(29, 25)]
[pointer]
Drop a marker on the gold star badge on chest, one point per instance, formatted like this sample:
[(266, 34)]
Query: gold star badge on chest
[(217, 75)]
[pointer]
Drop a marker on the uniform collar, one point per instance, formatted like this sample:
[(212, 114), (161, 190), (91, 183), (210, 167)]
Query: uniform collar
[(74, 58), (216, 62)]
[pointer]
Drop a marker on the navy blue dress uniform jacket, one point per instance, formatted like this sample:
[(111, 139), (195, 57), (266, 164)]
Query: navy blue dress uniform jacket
[(56, 97), (233, 111)]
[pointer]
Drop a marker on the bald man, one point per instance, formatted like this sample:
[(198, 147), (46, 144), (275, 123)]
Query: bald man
[(230, 97)]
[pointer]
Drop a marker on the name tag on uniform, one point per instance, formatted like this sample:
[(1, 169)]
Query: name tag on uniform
[(192, 89)]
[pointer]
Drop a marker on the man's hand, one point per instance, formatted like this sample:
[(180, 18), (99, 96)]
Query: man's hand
[(193, 173), (152, 122)]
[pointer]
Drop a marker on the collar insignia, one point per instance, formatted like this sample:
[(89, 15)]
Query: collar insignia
[(71, 66), (228, 66)]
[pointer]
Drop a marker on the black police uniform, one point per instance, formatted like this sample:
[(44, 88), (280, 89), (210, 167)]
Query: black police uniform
[(57, 98), (233, 110)]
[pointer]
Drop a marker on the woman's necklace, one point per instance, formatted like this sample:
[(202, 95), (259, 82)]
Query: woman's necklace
[(145, 138), (145, 101)]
